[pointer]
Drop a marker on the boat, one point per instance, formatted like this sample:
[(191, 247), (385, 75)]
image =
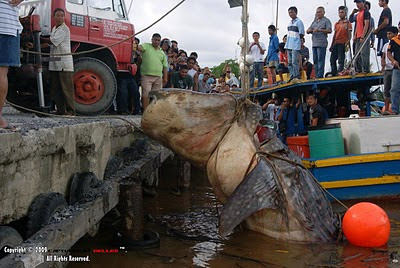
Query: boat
[(370, 167)]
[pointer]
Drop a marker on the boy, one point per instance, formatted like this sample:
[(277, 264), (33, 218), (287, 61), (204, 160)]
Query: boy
[(339, 41), (283, 61), (272, 56), (387, 68)]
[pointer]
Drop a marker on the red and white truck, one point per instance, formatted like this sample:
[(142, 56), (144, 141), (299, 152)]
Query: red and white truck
[(93, 24)]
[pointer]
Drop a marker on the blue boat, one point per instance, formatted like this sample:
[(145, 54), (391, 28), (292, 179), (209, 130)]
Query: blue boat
[(372, 172)]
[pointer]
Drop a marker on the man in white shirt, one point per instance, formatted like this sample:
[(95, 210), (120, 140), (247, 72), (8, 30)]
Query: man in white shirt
[(10, 28), (257, 50), (61, 67)]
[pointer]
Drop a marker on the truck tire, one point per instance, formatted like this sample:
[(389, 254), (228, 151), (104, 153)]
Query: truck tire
[(9, 237), (84, 186), (95, 86), (42, 209)]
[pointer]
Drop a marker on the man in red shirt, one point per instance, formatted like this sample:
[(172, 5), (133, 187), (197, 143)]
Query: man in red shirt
[(339, 41), (361, 36)]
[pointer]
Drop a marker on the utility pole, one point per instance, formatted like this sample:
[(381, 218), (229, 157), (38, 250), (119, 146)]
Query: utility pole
[(277, 15), (245, 74)]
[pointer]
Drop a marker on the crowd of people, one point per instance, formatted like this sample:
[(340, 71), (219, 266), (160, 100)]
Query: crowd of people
[(163, 65), (292, 56)]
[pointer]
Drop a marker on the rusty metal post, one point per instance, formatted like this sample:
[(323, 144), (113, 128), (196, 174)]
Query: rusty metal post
[(131, 204), (184, 174)]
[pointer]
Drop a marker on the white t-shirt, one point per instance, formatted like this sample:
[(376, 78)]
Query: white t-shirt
[(389, 65), (256, 53), (192, 72), (271, 110)]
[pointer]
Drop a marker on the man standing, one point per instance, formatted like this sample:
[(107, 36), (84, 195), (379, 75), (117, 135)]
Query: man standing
[(339, 41), (272, 60), (394, 56), (360, 35), (385, 21), (257, 50), (320, 28), (153, 68), (387, 68), (191, 62), (181, 79), (293, 43), (10, 28), (61, 71)]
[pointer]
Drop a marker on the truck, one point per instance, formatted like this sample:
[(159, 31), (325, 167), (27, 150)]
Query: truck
[(93, 24)]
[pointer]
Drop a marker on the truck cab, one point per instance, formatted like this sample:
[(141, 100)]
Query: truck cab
[(93, 24)]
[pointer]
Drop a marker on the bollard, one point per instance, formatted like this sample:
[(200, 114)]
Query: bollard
[(184, 174), (131, 205)]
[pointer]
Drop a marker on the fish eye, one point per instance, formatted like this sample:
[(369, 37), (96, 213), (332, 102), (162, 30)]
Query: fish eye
[(152, 98)]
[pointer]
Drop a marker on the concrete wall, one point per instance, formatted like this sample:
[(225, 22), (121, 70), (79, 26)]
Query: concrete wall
[(45, 160)]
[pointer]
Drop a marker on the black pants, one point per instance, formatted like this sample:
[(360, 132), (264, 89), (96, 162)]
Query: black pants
[(62, 90), (128, 95), (338, 54)]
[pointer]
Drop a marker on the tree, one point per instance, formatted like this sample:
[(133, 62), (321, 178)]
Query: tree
[(219, 70)]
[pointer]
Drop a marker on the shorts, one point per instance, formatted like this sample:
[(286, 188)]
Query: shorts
[(272, 64), (387, 82), (150, 83), (282, 68), (10, 54)]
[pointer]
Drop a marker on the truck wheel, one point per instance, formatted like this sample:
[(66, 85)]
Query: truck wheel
[(84, 186), (42, 209), (95, 86), (9, 237)]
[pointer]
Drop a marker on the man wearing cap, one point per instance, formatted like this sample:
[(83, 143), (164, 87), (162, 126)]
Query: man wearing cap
[(393, 55), (362, 27)]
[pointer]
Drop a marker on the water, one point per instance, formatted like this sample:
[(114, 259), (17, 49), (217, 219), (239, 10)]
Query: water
[(188, 226)]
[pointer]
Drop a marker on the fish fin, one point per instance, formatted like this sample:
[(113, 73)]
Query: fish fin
[(257, 191), (252, 116)]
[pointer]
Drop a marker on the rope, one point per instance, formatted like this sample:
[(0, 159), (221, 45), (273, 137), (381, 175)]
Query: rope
[(72, 117), (108, 46)]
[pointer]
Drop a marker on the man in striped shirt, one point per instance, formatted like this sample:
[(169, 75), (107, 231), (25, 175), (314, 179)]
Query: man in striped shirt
[(10, 28)]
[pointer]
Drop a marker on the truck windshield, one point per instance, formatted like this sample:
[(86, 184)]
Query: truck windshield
[(108, 5)]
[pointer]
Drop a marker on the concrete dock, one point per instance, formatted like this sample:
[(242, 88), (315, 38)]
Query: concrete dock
[(43, 156)]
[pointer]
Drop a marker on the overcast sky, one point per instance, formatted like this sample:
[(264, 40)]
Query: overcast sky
[(212, 29)]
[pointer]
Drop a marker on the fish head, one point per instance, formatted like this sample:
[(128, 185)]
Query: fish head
[(189, 123)]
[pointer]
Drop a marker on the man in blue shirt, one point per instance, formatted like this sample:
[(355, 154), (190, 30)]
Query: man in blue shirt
[(272, 59), (293, 43)]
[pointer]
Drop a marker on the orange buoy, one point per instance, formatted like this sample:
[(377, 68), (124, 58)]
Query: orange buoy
[(366, 225)]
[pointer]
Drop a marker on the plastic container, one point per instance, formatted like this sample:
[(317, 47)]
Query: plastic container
[(299, 145), (326, 141)]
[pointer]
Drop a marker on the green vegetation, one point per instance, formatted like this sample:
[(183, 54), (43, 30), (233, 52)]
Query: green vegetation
[(219, 70)]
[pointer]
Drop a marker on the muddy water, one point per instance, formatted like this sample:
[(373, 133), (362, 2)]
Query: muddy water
[(187, 223)]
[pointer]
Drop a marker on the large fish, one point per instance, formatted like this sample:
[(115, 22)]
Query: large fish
[(262, 185)]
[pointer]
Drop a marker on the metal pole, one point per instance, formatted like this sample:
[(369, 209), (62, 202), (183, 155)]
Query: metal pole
[(39, 69), (131, 205), (244, 77), (277, 15)]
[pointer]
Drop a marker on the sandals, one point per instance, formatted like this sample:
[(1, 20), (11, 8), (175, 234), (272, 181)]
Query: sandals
[(9, 127)]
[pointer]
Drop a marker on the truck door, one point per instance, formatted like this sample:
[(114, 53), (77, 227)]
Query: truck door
[(108, 24)]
